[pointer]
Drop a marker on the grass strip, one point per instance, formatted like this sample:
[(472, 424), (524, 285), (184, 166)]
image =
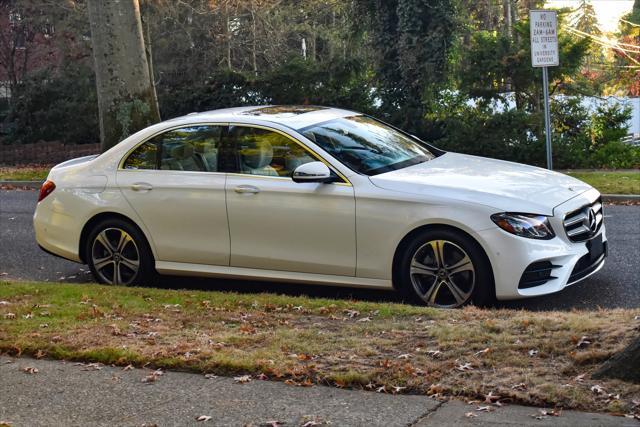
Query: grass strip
[(537, 358), (611, 182)]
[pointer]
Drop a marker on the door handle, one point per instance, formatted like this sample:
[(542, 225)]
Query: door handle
[(141, 186), (246, 189)]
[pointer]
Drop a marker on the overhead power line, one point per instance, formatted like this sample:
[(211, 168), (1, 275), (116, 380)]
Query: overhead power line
[(630, 23)]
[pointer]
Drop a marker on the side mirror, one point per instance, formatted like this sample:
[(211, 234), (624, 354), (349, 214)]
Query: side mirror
[(312, 172)]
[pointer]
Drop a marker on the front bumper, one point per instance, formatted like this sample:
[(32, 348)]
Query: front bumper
[(559, 262)]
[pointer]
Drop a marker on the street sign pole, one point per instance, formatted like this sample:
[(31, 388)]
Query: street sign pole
[(547, 115), (544, 54)]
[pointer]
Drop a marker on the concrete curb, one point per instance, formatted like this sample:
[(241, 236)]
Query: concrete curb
[(621, 197), (605, 197), (29, 184)]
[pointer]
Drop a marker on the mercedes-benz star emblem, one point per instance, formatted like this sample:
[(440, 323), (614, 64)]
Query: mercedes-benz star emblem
[(592, 220)]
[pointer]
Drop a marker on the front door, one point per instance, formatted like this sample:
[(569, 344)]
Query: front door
[(277, 224), (173, 183)]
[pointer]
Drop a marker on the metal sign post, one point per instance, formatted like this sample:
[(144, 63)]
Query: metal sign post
[(544, 54)]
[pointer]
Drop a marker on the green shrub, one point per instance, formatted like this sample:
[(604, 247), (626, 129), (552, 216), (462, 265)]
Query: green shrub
[(615, 155), (55, 107)]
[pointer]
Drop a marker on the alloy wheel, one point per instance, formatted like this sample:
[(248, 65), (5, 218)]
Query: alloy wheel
[(442, 274), (115, 256)]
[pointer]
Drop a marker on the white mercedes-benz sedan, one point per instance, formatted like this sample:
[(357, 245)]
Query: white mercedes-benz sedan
[(323, 196)]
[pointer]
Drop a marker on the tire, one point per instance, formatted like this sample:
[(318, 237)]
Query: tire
[(464, 277), (115, 245)]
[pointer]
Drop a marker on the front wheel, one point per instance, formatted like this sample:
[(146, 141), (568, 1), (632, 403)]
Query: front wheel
[(445, 269), (118, 254)]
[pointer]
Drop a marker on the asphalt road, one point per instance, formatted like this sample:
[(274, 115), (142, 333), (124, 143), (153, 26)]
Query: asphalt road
[(616, 285)]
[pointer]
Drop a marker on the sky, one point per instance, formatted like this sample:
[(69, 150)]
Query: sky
[(608, 11)]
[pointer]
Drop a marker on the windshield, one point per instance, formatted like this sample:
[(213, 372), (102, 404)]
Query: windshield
[(366, 145)]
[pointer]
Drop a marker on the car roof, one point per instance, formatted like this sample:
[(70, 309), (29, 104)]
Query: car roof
[(293, 116)]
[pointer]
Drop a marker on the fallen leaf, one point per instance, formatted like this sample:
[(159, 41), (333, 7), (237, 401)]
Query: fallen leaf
[(203, 418), (210, 376), (583, 342), (397, 389), (93, 367), (551, 412), (533, 352), (30, 370), (580, 378), (491, 398), (484, 409), (365, 319), (382, 389), (434, 353), (153, 377), (481, 352), (465, 367), (521, 387), (470, 415), (128, 368), (597, 389), (352, 313), (10, 316), (262, 377), (242, 379), (5, 303), (404, 356)]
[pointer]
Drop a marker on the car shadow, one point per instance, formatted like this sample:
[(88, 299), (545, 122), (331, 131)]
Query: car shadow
[(291, 289), (332, 292)]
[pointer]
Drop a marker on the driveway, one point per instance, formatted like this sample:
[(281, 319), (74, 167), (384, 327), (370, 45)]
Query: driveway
[(616, 285)]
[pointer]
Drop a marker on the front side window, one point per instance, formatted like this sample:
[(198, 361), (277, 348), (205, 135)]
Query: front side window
[(194, 149), (265, 152), (366, 145)]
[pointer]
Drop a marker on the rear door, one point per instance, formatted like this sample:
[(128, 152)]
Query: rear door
[(175, 184)]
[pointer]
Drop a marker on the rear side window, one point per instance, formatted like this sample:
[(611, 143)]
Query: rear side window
[(193, 149), (144, 157)]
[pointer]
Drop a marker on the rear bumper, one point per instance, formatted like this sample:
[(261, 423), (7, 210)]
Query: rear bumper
[(56, 231)]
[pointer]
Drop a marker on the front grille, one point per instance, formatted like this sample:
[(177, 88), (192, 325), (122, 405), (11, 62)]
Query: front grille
[(584, 223), (537, 274)]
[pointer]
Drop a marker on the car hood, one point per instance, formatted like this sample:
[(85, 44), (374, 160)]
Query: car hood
[(506, 186)]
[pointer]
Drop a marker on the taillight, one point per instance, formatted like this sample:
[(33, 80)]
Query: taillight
[(46, 189)]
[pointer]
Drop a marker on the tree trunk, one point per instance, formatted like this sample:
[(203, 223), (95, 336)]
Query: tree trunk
[(126, 96), (624, 365)]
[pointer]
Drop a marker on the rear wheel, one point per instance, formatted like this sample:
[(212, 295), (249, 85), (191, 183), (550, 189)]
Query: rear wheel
[(445, 269), (118, 254)]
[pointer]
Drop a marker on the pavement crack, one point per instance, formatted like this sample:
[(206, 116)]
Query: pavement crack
[(426, 414)]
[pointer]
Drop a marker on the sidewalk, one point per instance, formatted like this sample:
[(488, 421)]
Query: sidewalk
[(70, 394)]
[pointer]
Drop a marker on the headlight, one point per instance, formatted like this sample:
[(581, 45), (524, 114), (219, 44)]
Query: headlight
[(525, 225)]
